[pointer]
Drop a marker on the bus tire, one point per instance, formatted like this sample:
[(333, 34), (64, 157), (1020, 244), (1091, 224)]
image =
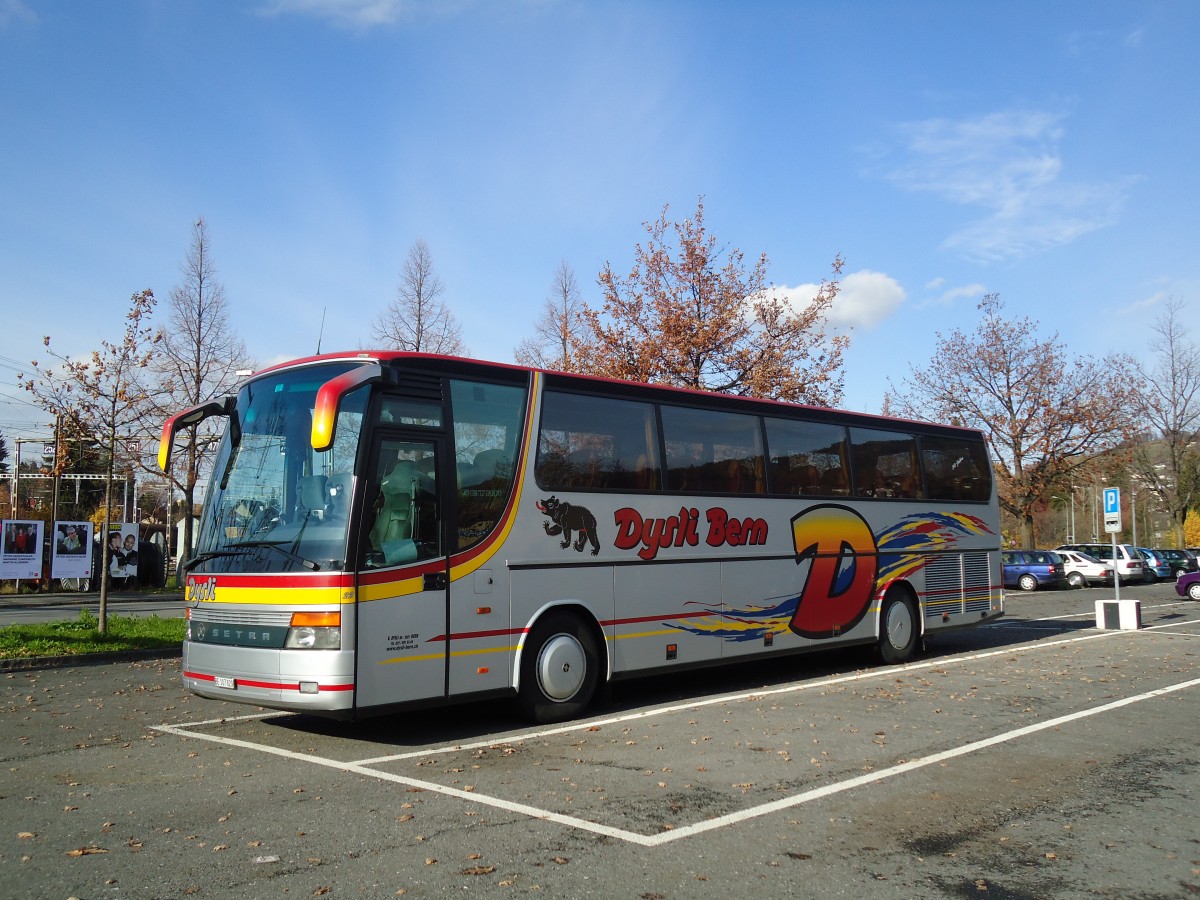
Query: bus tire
[(898, 627), (560, 667)]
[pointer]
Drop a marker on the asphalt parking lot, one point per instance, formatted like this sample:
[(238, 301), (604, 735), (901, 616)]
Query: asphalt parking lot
[(1033, 757)]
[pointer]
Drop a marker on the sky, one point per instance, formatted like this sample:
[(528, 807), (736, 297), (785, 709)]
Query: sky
[(1047, 152)]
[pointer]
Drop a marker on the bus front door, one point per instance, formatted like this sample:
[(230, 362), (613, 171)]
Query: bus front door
[(403, 581)]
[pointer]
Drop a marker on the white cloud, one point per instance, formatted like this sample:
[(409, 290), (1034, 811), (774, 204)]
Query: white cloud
[(864, 300), (949, 297), (1009, 166), (16, 11), (353, 13), (364, 14)]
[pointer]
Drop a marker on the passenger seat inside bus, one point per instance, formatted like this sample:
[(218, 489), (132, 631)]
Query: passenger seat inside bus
[(392, 533), (313, 494)]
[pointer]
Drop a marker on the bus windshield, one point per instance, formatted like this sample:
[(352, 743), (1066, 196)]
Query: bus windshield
[(274, 504)]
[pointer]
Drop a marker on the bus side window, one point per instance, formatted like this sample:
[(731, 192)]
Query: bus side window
[(956, 469), (487, 438), (589, 443), (885, 464), (712, 451), (807, 457)]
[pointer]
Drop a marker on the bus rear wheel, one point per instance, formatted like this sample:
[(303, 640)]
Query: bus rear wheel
[(897, 628), (560, 667)]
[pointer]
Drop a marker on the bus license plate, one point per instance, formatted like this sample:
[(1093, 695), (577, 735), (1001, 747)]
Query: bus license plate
[(225, 681)]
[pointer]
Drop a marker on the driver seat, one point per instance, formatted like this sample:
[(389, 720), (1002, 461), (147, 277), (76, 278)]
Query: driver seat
[(395, 524)]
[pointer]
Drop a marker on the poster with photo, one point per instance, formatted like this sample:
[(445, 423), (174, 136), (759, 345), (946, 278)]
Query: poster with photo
[(71, 554), (21, 556), (123, 553)]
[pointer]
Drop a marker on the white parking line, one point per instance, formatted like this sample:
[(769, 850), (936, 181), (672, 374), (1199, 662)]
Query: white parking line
[(365, 767)]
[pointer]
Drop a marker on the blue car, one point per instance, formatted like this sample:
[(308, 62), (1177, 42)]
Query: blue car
[(1155, 566), (1033, 569)]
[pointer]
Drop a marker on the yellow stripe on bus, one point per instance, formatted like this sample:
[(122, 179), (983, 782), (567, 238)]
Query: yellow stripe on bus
[(290, 596), (430, 656), (389, 589)]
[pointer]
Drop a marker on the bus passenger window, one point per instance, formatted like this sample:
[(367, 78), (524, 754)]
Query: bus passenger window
[(885, 464), (807, 457), (589, 443), (710, 451), (956, 469)]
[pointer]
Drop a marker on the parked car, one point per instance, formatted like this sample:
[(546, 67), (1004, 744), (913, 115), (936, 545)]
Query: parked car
[(1083, 570), (1188, 585), (1180, 561), (1128, 562), (1033, 569), (1155, 566)]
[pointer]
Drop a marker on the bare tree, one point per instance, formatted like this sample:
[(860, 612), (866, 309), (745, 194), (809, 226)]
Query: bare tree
[(1169, 402), (1045, 415), (417, 319), (198, 361), (99, 398), (691, 314), (558, 327)]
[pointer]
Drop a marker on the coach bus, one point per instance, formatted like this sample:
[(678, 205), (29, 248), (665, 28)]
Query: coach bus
[(384, 530)]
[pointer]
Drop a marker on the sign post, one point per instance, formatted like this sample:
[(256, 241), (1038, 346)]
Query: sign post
[(1112, 524), (1118, 613)]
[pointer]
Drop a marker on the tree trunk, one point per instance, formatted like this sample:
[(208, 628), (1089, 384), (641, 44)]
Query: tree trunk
[(1027, 529), (102, 618)]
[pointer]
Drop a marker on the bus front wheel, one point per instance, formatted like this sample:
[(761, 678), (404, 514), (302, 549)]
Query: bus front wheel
[(560, 667), (897, 628)]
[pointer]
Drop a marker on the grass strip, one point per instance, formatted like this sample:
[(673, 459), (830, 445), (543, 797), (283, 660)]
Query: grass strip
[(79, 637)]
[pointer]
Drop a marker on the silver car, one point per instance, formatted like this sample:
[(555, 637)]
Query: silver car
[(1083, 570)]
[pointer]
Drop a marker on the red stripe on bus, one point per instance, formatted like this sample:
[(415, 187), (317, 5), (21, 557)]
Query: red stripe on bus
[(636, 620), (499, 632), (269, 685)]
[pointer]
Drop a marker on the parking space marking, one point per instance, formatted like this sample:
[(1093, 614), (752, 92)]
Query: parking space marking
[(366, 768)]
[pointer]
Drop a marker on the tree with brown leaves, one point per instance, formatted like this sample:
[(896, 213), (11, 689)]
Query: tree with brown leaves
[(691, 314), (1045, 415), (99, 399)]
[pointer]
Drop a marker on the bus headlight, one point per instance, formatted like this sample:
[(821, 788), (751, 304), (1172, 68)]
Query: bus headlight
[(315, 631)]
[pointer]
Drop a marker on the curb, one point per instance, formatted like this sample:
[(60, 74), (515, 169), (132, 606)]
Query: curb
[(33, 663)]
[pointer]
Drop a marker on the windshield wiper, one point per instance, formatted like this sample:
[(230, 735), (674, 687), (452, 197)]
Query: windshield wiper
[(205, 557), (279, 548)]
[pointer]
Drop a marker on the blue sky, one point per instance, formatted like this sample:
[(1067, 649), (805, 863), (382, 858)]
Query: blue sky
[(1044, 151)]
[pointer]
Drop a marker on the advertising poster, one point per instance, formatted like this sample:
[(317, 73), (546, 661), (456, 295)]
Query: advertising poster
[(21, 556), (123, 553), (71, 555)]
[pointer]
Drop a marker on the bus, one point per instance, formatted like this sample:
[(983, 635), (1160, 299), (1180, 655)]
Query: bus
[(385, 530)]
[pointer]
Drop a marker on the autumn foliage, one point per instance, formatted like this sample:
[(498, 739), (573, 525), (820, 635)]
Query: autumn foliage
[(692, 314), (1046, 415)]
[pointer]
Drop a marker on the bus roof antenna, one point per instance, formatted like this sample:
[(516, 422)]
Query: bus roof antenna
[(321, 333)]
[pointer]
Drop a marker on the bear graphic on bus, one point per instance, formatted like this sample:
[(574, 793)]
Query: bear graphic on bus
[(566, 519)]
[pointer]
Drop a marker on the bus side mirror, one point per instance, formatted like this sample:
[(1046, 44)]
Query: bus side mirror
[(188, 418), (329, 401)]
